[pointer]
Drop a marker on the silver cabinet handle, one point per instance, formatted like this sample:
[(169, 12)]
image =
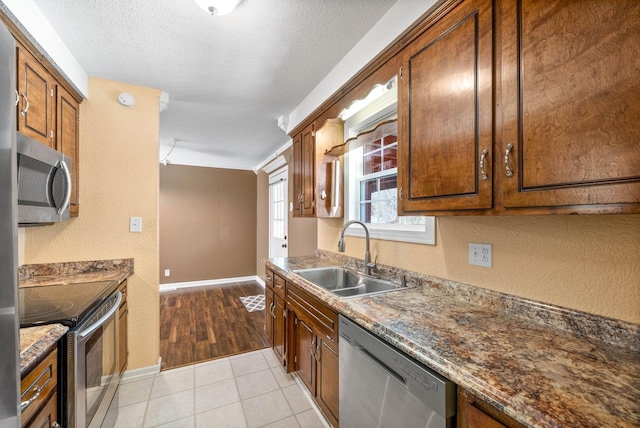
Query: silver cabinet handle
[(34, 397), (17, 97), (483, 156), (317, 354), (26, 107), (67, 197), (272, 310), (312, 348), (507, 154)]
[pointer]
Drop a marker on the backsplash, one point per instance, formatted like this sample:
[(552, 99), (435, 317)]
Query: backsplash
[(73, 268), (580, 323)]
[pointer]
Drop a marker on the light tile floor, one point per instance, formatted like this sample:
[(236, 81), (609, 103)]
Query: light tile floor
[(247, 390)]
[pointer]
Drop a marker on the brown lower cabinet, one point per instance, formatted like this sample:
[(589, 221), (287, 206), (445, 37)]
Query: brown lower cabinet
[(47, 417), (275, 316), (314, 345), (38, 389), (475, 413)]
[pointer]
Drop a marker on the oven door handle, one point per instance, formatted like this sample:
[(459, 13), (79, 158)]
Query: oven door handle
[(93, 327)]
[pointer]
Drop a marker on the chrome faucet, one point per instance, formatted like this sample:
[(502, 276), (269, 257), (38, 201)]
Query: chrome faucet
[(368, 266)]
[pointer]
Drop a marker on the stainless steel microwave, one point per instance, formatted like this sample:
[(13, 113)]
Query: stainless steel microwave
[(44, 183)]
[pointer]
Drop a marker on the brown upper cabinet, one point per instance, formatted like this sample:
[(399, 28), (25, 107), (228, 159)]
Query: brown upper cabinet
[(48, 113), (570, 123), (313, 176), (68, 139), (445, 113), (36, 105), (533, 113), (511, 107)]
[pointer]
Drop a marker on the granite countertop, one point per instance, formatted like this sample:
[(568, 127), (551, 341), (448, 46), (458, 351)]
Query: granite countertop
[(74, 272), (542, 365), (35, 341)]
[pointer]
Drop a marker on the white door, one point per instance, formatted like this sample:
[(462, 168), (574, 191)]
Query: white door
[(278, 201)]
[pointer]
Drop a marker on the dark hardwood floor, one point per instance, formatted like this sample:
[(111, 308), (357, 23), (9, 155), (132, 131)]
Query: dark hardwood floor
[(205, 323)]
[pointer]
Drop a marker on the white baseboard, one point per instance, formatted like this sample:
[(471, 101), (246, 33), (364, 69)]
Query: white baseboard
[(135, 374), (176, 285)]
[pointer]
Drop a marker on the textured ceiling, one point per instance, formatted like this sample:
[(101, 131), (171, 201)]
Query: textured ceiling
[(229, 77)]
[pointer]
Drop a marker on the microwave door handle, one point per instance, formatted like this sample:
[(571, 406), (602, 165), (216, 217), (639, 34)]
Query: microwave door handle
[(93, 327), (67, 196)]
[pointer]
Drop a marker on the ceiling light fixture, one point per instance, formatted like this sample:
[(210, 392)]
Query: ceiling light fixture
[(218, 7)]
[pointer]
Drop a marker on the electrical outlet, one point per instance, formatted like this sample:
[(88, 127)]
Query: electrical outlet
[(480, 255), (135, 224), (167, 272)]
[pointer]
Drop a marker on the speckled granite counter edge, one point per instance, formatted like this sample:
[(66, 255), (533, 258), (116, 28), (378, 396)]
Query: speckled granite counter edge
[(35, 341), (74, 268), (583, 324)]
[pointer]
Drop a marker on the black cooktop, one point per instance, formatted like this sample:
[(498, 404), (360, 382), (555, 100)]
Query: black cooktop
[(67, 304)]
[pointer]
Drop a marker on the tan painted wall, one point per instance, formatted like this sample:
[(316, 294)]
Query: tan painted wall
[(262, 222), (207, 223), (118, 179), (590, 263)]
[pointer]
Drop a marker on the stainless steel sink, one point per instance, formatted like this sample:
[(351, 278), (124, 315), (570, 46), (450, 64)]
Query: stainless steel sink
[(345, 282)]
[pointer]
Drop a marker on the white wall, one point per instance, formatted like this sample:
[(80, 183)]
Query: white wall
[(391, 25), (34, 22)]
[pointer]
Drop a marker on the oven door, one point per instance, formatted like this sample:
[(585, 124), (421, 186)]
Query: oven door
[(92, 366)]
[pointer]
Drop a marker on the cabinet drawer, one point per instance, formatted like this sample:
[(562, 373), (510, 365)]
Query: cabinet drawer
[(268, 278), (278, 285), (318, 314), (38, 384)]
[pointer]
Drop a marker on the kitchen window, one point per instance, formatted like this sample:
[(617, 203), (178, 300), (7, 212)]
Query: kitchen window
[(371, 173)]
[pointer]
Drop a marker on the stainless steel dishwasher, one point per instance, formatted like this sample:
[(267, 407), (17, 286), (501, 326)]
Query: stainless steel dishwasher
[(383, 387)]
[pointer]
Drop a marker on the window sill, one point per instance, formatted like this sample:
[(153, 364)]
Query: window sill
[(418, 234)]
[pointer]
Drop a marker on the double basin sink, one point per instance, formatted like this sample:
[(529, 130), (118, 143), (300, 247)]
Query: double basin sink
[(345, 282)]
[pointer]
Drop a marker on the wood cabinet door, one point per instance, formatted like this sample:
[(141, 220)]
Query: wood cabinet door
[(328, 379), (47, 417), (279, 330), (308, 173), (446, 113), (297, 175), (479, 419), (305, 349), (569, 102), (37, 100), (268, 315), (475, 413), (68, 138)]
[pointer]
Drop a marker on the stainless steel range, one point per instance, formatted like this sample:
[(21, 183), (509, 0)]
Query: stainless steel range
[(89, 366)]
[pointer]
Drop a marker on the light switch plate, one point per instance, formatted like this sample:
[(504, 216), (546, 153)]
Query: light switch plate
[(480, 255), (135, 224)]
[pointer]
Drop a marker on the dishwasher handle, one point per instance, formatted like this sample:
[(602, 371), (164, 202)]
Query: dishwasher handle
[(397, 376)]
